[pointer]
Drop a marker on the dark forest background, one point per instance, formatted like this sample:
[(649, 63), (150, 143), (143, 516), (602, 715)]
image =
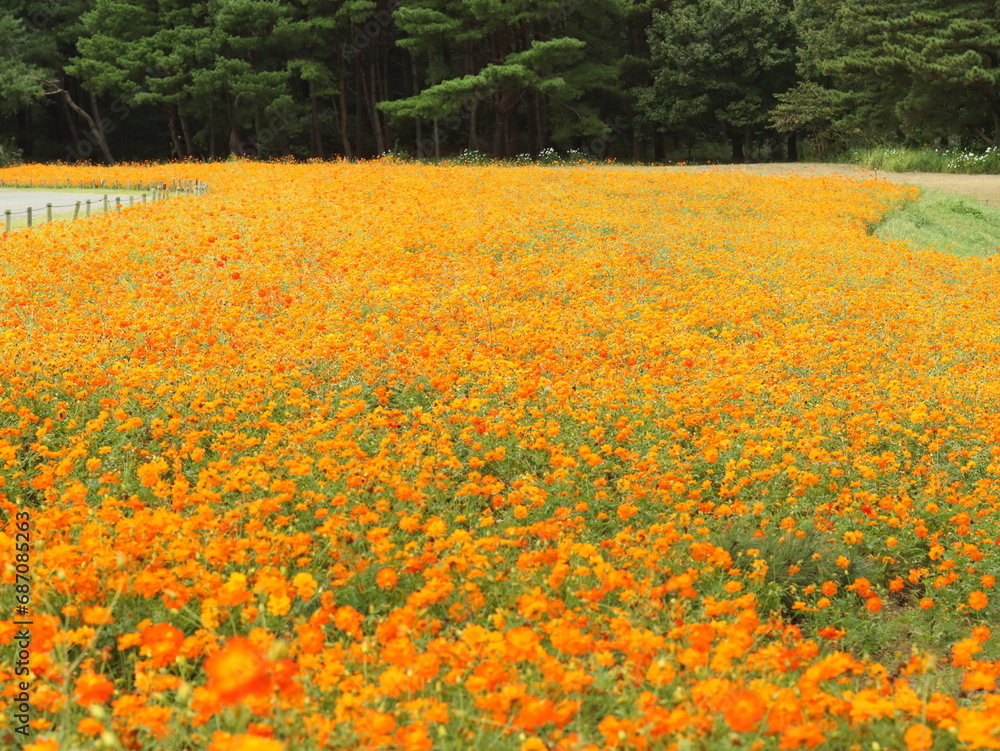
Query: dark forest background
[(131, 80)]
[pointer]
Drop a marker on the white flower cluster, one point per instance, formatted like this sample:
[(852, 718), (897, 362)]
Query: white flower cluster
[(987, 161)]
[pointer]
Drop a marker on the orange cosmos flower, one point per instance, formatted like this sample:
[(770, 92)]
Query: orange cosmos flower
[(161, 643), (862, 586), (305, 585), (386, 578), (832, 632), (745, 711), (89, 726), (43, 744), (91, 688), (95, 615), (978, 600), (522, 643), (809, 735), (349, 620), (222, 741), (238, 671), (961, 653), (918, 737), (981, 634)]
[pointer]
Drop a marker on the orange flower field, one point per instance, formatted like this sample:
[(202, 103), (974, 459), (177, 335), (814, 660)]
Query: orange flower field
[(383, 456)]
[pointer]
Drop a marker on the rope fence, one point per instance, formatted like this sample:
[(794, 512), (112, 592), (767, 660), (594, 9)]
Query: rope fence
[(155, 191)]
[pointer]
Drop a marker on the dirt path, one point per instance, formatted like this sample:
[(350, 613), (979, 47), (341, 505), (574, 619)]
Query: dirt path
[(986, 188), (61, 200)]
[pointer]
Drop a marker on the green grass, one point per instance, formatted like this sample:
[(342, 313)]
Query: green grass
[(906, 159), (947, 222)]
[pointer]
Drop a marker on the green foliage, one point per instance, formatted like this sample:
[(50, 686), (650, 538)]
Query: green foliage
[(810, 109), (792, 560), (255, 77), (718, 62), (921, 69), (10, 155), (527, 61), (905, 159), (945, 222), (19, 85)]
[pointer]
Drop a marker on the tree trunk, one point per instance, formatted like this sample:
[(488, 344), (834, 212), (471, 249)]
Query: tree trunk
[(125, 141), (748, 144), (473, 104), (211, 132), (994, 101), (340, 113), (777, 144), (317, 137), (474, 125), (258, 146), (510, 131), (368, 90), (418, 126), (186, 130), (362, 146), (236, 146), (793, 147), (96, 129), (97, 124), (639, 147), (175, 139), (345, 141), (380, 89), (540, 129), (736, 138), (498, 139), (437, 141), (505, 132), (74, 134)]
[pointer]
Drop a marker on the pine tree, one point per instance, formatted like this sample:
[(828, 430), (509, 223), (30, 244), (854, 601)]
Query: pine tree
[(719, 63)]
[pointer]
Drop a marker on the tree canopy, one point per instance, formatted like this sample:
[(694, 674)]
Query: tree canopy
[(139, 79)]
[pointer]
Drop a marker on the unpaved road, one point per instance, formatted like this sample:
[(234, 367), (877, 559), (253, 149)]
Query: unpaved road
[(986, 188), (62, 200)]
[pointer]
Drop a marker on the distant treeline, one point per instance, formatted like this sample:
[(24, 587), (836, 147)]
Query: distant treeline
[(113, 80)]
